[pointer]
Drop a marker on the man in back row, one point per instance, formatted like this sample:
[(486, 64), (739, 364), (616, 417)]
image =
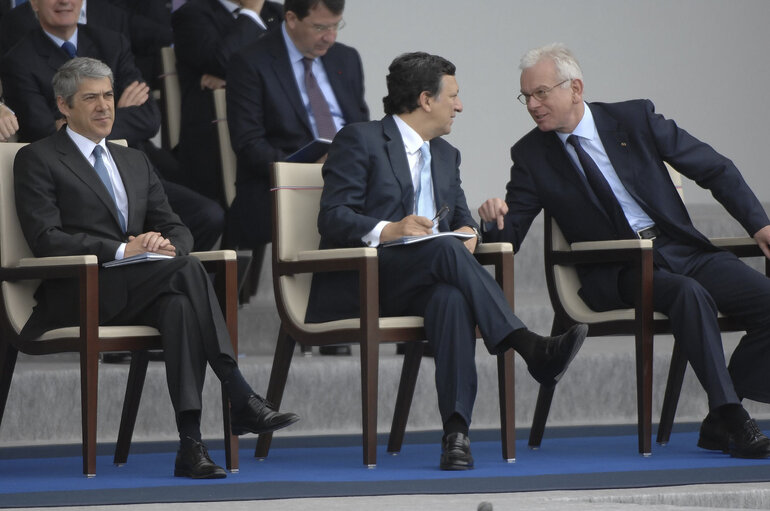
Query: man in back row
[(77, 194), (598, 169), (387, 179)]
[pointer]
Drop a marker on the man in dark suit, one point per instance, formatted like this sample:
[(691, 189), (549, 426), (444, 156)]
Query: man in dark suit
[(268, 109), (387, 179), (77, 194), (26, 73), (206, 34), (599, 170)]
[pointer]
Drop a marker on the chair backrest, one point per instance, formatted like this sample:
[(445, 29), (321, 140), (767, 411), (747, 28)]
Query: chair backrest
[(172, 99), (296, 199), (226, 154), (566, 280), (18, 297)]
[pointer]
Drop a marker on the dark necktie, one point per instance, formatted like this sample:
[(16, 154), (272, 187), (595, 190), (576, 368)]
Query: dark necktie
[(69, 49), (104, 175), (318, 105), (602, 190)]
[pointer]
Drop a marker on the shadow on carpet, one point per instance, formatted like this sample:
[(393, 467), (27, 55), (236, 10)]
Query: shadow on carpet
[(570, 459)]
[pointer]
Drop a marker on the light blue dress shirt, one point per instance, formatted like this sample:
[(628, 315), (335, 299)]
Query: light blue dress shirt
[(592, 144), (295, 57)]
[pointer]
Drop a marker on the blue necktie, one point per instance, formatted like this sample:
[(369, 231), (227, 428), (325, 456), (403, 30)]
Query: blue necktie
[(69, 49), (104, 175), (423, 198), (602, 190), (17, 3)]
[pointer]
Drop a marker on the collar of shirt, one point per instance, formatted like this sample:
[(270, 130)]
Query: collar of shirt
[(85, 145), (58, 42), (82, 18), (586, 128), (294, 54), (230, 6), (412, 143)]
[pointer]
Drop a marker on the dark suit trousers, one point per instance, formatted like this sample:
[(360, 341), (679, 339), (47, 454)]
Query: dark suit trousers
[(442, 281), (177, 298), (690, 286)]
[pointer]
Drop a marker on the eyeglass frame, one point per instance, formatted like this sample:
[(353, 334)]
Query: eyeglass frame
[(323, 29), (543, 93)]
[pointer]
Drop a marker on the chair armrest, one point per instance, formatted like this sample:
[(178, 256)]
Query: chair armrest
[(336, 253), (593, 252), (76, 260), (215, 255), (493, 248), (610, 245)]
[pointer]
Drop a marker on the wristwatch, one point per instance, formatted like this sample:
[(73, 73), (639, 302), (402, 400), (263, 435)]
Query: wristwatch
[(477, 233)]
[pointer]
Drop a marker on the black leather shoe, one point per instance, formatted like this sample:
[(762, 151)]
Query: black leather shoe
[(456, 452), (749, 442), (116, 357), (258, 417), (554, 354), (337, 349), (713, 434), (192, 460)]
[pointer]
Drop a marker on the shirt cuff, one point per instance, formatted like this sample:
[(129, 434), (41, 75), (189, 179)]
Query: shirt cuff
[(120, 252), (253, 15), (372, 239)]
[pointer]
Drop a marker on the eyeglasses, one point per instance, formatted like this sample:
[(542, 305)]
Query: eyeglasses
[(539, 94), (322, 29)]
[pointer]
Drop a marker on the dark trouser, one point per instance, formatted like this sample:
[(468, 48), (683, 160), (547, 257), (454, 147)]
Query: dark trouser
[(177, 298), (690, 285), (442, 281)]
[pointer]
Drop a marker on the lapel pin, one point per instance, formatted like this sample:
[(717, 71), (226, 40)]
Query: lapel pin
[(623, 144)]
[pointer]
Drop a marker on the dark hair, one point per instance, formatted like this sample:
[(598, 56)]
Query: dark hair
[(302, 7), (409, 75)]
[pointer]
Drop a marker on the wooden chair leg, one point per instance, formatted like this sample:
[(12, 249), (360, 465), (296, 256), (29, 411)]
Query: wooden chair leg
[(406, 386), (369, 376), (673, 390), (136, 376), (506, 387), (284, 350), (644, 391), (8, 356), (543, 406), (89, 385)]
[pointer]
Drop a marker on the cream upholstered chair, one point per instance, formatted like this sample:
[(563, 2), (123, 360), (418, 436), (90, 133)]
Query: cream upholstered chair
[(20, 273), (171, 99), (640, 321), (229, 165), (296, 197)]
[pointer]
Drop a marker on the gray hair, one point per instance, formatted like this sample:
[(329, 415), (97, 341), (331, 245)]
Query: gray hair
[(69, 76), (567, 66)]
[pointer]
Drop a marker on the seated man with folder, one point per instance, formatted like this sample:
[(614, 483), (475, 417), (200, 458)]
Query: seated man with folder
[(77, 194), (387, 179)]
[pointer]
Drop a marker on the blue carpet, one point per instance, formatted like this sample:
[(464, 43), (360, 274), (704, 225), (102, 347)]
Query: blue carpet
[(332, 466)]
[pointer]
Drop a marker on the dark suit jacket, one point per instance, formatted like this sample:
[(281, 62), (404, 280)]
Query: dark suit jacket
[(638, 141), (64, 209), (268, 121), (26, 72), (21, 20), (205, 36), (367, 180)]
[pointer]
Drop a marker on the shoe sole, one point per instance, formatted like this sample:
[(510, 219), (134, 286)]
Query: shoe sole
[(712, 445), (243, 431), (581, 332), (179, 473)]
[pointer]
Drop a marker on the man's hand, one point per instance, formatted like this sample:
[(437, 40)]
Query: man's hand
[(494, 210), (411, 225), (8, 123), (763, 240), (149, 242), (470, 243), (212, 82), (135, 94)]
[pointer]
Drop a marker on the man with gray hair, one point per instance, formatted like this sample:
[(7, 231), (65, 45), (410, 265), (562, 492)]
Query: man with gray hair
[(78, 194), (599, 170)]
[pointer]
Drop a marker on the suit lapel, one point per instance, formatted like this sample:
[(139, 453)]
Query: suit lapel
[(119, 156), (394, 145), (335, 72), (284, 74), (73, 159), (54, 57)]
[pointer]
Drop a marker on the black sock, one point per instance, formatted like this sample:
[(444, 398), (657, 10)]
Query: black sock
[(189, 425), (523, 341), (237, 388), (455, 424), (734, 416)]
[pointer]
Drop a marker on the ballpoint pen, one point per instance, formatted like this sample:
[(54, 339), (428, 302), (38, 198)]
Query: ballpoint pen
[(441, 214)]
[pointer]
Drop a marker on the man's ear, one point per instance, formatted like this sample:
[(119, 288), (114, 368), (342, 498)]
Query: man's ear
[(424, 100), (62, 105), (577, 90)]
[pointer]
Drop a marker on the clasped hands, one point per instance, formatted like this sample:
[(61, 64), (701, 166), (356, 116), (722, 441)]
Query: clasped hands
[(414, 225), (149, 242)]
